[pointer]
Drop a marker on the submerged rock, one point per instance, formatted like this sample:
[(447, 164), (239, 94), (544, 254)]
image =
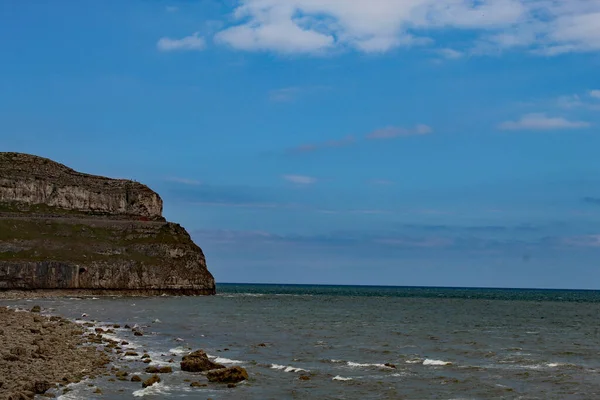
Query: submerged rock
[(159, 370), (228, 375), (198, 361)]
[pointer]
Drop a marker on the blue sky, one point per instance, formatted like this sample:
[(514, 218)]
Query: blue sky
[(446, 142)]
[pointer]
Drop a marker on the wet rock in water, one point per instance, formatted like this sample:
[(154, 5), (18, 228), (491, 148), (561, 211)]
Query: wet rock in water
[(159, 370), (228, 375), (231, 385), (390, 365), (198, 362), (40, 387), (36, 309), (198, 384), (261, 345), (147, 361), (151, 381), (304, 378), (98, 391), (131, 354), (121, 375), (146, 355), (136, 378), (127, 327), (138, 333)]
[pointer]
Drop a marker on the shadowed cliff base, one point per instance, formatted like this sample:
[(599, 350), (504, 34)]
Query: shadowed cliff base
[(60, 229)]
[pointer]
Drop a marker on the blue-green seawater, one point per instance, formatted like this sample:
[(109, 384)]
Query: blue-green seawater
[(445, 343)]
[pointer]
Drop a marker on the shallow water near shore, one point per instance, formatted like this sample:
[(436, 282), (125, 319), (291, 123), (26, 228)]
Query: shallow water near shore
[(438, 343)]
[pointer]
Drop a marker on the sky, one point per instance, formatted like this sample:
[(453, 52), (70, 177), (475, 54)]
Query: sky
[(415, 142)]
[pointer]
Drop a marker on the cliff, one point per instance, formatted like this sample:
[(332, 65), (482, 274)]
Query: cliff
[(61, 229)]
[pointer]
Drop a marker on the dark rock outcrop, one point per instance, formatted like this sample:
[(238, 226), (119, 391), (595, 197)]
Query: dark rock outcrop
[(227, 375), (60, 229), (198, 361)]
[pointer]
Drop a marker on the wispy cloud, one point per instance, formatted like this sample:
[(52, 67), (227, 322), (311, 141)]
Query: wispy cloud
[(300, 179), (347, 141), (184, 181), (188, 43), (380, 182), (292, 93), (587, 101), (592, 200), (540, 121), (582, 241), (391, 132), (450, 54)]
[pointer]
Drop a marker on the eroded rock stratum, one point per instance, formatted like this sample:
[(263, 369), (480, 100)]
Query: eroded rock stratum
[(61, 229)]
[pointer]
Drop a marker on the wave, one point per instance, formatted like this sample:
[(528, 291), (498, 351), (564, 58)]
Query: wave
[(340, 378), (353, 364), (223, 360), (427, 361), (287, 368), (367, 365), (179, 351), (156, 389)]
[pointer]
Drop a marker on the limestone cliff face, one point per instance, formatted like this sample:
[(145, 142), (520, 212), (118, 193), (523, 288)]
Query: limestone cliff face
[(35, 180), (60, 229)]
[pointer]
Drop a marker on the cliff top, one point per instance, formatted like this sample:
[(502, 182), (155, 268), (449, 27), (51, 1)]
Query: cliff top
[(33, 180), (28, 166)]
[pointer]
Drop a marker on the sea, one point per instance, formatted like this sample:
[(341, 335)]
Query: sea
[(355, 342)]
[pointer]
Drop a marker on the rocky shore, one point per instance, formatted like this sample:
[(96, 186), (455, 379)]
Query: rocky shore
[(39, 353), (42, 355)]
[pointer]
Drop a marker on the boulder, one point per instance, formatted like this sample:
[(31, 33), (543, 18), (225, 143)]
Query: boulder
[(151, 381), (227, 375), (198, 362), (159, 370)]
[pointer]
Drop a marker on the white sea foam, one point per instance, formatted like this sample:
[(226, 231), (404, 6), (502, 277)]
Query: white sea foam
[(415, 361), (287, 368), (179, 350), (156, 389), (427, 361), (552, 365), (367, 365), (223, 360), (340, 378)]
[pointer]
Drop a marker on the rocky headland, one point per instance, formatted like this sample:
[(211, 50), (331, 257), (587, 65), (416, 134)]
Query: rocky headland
[(67, 233)]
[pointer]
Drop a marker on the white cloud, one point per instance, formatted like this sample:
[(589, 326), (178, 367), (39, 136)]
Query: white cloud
[(450, 53), (192, 42), (184, 181), (540, 121), (548, 27), (595, 94), (391, 132), (300, 179)]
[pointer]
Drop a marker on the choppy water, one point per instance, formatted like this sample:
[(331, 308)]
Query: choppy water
[(445, 343)]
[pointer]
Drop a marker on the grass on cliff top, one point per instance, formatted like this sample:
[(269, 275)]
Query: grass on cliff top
[(62, 241), (30, 209)]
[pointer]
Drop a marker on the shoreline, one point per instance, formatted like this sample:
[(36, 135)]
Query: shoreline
[(27, 294), (40, 355)]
